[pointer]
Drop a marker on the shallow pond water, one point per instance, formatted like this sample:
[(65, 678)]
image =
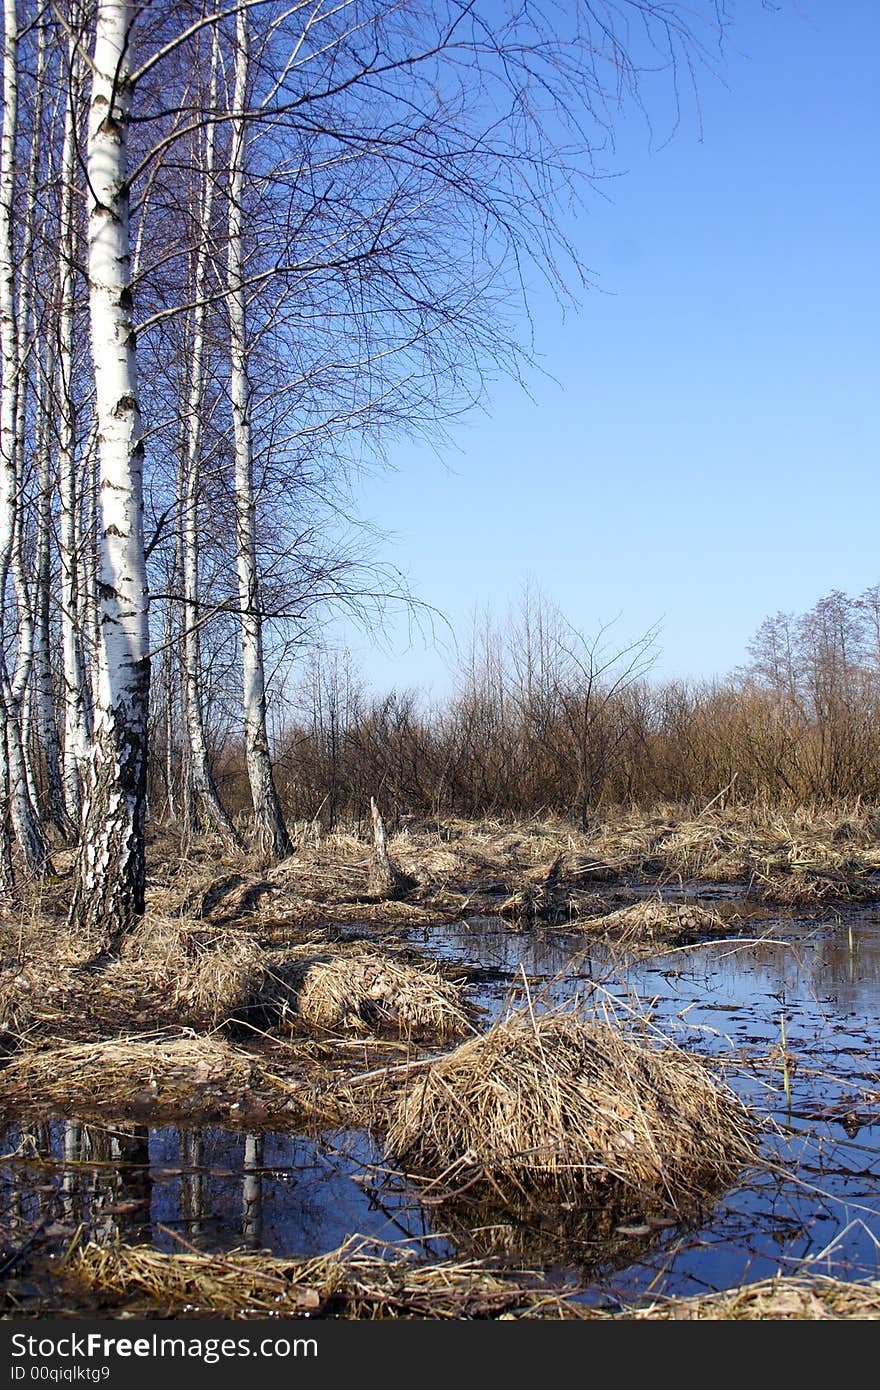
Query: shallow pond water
[(817, 1208), (728, 1000)]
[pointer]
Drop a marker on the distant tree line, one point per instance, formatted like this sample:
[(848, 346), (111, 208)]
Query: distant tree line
[(545, 720)]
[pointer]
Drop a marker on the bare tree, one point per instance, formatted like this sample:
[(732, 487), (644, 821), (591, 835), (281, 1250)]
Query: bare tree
[(109, 889), (13, 684), (213, 812), (269, 820)]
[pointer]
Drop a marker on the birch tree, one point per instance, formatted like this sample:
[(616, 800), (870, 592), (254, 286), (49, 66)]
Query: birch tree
[(268, 817), (71, 550), (14, 682), (212, 810), (109, 888), (411, 159)]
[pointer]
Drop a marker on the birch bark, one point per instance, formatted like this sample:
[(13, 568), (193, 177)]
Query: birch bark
[(208, 800), (43, 684), (109, 887), (77, 704), (43, 694), (12, 687), (270, 829)]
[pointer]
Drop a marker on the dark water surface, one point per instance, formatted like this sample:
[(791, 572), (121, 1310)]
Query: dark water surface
[(817, 1209)]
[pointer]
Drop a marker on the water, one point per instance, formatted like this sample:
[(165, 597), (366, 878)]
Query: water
[(816, 1209)]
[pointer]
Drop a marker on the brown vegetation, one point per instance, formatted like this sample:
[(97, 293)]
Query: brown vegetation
[(655, 922), (209, 942), (552, 1133), (779, 1299), (362, 990), (349, 1282), (203, 1078), (567, 1108), (547, 721), (354, 1282)]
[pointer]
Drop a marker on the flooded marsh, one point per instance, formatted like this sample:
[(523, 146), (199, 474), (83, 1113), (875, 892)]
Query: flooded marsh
[(780, 1003)]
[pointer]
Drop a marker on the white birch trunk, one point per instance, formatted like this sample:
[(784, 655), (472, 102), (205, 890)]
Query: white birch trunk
[(7, 396), (27, 828), (43, 684), (209, 805), (271, 831), (7, 880), (90, 474), (109, 888), (186, 811), (77, 704), (43, 694)]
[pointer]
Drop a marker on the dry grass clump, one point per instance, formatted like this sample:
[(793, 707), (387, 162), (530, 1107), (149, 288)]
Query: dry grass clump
[(804, 888), (460, 852), (555, 905), (709, 850), (205, 974), (349, 1282), (359, 989), (336, 870), (790, 1300), (655, 921), (731, 843), (170, 974), (183, 1077), (561, 1107), (20, 987), (546, 894)]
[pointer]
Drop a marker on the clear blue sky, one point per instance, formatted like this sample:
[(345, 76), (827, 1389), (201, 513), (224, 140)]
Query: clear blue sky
[(708, 451)]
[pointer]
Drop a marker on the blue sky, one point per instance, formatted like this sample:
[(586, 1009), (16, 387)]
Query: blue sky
[(702, 450)]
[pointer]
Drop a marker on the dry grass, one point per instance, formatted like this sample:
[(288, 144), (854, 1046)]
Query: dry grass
[(204, 973), (349, 1282), (197, 1077), (360, 989), (548, 870), (20, 985), (182, 976), (38, 964), (304, 913), (170, 974), (353, 1283), (457, 868), (731, 844), (565, 1108), (336, 870), (779, 1299), (654, 921), (812, 888), (537, 869)]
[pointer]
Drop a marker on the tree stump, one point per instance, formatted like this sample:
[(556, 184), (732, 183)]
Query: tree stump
[(386, 880)]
